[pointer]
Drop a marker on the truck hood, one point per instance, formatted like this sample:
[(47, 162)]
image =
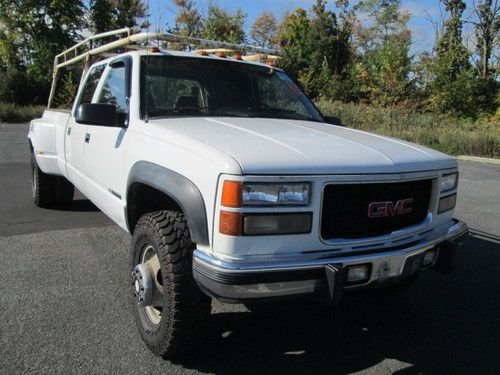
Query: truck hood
[(276, 146)]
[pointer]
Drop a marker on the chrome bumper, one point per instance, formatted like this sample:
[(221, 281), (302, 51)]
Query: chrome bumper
[(235, 281)]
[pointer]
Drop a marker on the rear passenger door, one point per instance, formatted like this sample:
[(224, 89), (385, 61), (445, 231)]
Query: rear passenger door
[(74, 140), (105, 151)]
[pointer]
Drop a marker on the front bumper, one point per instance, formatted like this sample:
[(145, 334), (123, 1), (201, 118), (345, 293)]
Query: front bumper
[(235, 281)]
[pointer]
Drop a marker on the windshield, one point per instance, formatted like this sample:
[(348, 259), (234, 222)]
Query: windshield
[(190, 86)]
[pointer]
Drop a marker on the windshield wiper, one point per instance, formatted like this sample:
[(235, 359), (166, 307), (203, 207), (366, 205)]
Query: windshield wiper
[(201, 111), (280, 113)]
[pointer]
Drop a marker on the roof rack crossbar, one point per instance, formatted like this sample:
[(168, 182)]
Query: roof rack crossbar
[(72, 55)]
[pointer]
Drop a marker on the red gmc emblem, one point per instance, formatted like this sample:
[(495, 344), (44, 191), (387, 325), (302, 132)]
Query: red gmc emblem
[(390, 208)]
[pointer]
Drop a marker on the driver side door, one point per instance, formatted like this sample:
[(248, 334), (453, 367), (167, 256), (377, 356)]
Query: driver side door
[(106, 157)]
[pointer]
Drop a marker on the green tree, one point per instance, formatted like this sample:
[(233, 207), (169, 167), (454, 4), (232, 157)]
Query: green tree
[(451, 79), (385, 61), (188, 21), (317, 49), (264, 30), (37, 30), (106, 15), (487, 32), (131, 13), (293, 39), (452, 56), (101, 15), (224, 26)]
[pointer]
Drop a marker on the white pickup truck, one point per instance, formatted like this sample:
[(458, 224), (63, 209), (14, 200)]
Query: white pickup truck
[(235, 187)]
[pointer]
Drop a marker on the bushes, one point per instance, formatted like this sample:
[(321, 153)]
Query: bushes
[(456, 136), (18, 88), (15, 113)]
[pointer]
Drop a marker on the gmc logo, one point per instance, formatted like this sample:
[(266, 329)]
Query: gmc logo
[(390, 208)]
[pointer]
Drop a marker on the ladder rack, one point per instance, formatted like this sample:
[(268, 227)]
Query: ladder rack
[(87, 48)]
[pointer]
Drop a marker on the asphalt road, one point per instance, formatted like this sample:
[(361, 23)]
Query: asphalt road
[(64, 304)]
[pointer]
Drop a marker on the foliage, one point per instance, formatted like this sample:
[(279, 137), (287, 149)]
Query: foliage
[(35, 31), (16, 87), (10, 112), (188, 21), (101, 15), (337, 50), (130, 13), (454, 86), (446, 133), (384, 53), (67, 88), (316, 47), (486, 30), (107, 15), (264, 30), (224, 26)]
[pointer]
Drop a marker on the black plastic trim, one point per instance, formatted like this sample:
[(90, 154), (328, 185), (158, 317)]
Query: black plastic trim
[(182, 190), (245, 278)]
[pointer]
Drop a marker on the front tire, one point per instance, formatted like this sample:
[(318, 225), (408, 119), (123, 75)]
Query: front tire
[(171, 312)]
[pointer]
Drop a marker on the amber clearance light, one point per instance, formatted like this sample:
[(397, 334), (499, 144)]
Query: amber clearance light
[(232, 193)]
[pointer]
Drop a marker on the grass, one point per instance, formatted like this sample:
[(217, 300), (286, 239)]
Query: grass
[(15, 113), (452, 135)]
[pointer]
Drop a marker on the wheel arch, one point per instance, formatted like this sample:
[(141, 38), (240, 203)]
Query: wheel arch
[(153, 187)]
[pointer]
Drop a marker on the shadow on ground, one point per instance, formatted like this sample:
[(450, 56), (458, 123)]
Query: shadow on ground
[(79, 205), (441, 324)]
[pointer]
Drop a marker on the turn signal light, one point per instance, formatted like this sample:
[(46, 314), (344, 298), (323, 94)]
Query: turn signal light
[(232, 193), (230, 223)]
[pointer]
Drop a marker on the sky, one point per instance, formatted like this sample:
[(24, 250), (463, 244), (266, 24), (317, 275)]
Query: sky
[(163, 11)]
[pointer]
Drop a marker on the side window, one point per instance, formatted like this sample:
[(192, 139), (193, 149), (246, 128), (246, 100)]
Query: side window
[(114, 89), (91, 84)]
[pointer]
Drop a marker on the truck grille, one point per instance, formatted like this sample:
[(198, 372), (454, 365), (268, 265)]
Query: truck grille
[(346, 208)]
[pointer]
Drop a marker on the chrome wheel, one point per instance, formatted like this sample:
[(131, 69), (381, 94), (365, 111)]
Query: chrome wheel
[(148, 284)]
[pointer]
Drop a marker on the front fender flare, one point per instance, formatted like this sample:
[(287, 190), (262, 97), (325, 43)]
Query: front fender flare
[(181, 189)]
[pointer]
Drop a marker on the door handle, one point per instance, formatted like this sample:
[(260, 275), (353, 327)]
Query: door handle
[(87, 138), (69, 130)]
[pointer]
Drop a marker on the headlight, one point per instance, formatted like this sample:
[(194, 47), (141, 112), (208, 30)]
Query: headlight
[(270, 194), (449, 181)]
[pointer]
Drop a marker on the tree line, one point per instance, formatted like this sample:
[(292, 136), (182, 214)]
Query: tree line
[(340, 51)]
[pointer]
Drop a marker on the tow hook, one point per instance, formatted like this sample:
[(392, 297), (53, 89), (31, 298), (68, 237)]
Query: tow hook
[(143, 285)]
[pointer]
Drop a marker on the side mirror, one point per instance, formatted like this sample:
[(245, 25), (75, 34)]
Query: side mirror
[(333, 120), (96, 114)]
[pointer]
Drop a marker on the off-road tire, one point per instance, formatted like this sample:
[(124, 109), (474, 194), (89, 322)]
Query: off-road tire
[(186, 311), (50, 191)]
